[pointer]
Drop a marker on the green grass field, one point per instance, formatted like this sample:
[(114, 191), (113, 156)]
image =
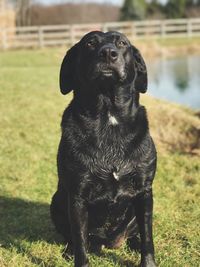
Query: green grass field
[(30, 113)]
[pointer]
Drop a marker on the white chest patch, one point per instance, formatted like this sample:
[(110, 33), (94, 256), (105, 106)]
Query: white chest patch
[(112, 119), (115, 176)]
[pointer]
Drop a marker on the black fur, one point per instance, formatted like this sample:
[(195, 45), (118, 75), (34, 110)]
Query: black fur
[(106, 157)]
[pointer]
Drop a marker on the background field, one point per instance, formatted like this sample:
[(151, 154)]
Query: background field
[(30, 114)]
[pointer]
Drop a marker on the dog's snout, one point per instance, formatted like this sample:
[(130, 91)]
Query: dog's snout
[(108, 53)]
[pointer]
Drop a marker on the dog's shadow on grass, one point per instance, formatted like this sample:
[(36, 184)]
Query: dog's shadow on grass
[(25, 220)]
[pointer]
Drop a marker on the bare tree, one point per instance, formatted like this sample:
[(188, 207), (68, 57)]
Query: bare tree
[(73, 13), (22, 8)]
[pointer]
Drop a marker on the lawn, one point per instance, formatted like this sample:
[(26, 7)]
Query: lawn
[(30, 111)]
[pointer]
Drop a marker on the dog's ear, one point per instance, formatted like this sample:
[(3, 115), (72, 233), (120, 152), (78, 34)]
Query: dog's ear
[(141, 80), (68, 79)]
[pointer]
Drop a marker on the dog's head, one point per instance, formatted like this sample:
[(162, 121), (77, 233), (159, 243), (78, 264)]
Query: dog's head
[(103, 58)]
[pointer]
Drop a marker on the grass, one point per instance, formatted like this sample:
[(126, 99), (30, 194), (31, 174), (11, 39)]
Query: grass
[(31, 109), (178, 41), (168, 47)]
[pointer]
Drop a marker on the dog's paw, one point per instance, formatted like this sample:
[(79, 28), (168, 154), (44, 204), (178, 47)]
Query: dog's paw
[(148, 261), (67, 252), (82, 265), (149, 264), (95, 249)]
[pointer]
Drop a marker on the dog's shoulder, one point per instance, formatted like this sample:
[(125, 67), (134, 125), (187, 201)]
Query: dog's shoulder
[(68, 116)]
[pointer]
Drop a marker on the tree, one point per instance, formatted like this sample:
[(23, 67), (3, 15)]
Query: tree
[(155, 8), (133, 10), (190, 3), (22, 9), (175, 8)]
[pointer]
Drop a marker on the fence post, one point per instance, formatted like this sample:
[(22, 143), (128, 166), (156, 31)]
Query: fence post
[(132, 29), (1, 38), (72, 35), (104, 27), (189, 28), (163, 29), (40, 37), (4, 38)]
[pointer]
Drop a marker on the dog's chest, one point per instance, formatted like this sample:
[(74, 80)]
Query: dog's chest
[(103, 146), (112, 120), (112, 145)]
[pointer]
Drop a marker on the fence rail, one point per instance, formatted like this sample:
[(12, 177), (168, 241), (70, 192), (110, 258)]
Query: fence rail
[(55, 35)]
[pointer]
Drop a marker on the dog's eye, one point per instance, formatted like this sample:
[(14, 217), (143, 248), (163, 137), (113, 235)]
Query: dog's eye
[(91, 43), (122, 43)]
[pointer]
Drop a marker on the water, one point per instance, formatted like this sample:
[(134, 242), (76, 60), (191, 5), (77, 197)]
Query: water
[(176, 80)]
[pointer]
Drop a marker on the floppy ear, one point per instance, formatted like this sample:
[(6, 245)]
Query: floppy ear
[(141, 80), (68, 79)]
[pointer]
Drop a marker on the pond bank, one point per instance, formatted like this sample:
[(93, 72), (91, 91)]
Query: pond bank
[(167, 48)]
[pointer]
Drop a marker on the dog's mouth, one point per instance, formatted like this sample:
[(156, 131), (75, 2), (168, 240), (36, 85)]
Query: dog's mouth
[(107, 72), (103, 72)]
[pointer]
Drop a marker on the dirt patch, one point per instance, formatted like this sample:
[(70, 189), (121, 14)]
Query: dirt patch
[(173, 127)]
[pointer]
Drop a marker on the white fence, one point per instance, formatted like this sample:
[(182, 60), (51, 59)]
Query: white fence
[(67, 35)]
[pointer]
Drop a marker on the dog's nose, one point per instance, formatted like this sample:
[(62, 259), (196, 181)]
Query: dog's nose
[(108, 53)]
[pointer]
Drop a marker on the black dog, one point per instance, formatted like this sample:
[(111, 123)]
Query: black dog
[(106, 157)]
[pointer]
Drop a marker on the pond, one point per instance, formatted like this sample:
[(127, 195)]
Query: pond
[(176, 80)]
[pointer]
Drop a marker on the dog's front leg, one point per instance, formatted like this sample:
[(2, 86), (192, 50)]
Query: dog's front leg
[(79, 229), (144, 210)]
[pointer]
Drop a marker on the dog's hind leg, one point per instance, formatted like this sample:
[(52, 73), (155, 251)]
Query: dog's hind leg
[(59, 215), (133, 236)]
